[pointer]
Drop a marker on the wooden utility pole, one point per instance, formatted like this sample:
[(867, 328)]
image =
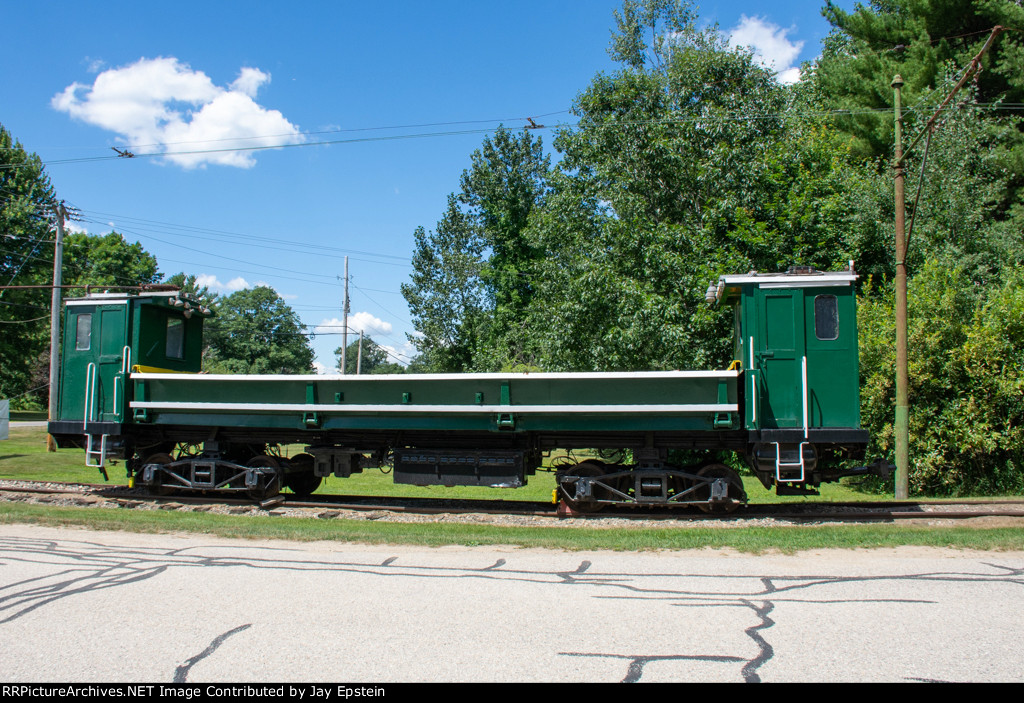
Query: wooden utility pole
[(344, 322), (58, 263), (359, 356), (902, 373)]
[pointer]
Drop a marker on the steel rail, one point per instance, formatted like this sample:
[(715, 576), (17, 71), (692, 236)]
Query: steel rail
[(806, 512)]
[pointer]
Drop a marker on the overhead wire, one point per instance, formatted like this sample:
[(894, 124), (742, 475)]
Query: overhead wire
[(241, 238), (361, 290), (340, 130), (678, 119), (856, 51), (24, 322)]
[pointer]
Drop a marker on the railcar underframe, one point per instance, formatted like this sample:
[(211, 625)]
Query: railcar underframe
[(231, 459)]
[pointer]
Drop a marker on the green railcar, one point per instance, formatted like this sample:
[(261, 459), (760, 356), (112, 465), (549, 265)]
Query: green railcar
[(788, 405)]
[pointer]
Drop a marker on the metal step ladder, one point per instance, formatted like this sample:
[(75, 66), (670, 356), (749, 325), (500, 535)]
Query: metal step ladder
[(100, 454), (790, 466)]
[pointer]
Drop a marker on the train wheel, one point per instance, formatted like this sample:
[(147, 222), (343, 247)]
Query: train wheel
[(271, 484), (735, 488), (303, 481), (591, 469), (157, 487)]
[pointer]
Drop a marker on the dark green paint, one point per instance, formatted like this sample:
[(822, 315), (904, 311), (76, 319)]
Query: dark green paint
[(781, 321)]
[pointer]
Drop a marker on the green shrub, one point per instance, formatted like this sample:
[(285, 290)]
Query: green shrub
[(966, 358)]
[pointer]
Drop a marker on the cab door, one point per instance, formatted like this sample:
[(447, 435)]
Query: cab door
[(93, 379), (779, 352), (110, 384)]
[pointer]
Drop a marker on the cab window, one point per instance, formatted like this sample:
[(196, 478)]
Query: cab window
[(826, 317), (83, 331), (175, 338)]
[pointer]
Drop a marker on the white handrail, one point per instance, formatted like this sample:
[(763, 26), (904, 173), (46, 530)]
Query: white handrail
[(90, 388), (804, 374), (126, 360), (753, 386)]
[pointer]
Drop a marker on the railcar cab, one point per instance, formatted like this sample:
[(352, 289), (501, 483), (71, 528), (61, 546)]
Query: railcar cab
[(796, 339), (106, 337)]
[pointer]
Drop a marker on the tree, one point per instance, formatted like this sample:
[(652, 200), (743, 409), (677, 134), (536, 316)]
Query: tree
[(107, 260), (927, 43), (971, 213), (256, 332), (27, 212), (189, 285), (661, 18), (967, 381), (471, 281), (445, 295), (660, 188), (375, 359)]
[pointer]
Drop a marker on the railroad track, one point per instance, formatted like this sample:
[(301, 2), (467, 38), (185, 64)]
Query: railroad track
[(800, 513)]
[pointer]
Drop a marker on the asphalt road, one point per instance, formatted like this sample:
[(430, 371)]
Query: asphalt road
[(88, 606)]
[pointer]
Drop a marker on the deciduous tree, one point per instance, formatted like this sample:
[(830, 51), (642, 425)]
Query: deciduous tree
[(375, 359), (471, 283), (256, 332), (107, 260)]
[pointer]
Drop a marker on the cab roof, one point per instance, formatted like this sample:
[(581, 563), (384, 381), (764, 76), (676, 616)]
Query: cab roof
[(796, 277)]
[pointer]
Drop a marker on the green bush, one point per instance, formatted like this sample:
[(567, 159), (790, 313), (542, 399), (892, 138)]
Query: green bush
[(966, 358)]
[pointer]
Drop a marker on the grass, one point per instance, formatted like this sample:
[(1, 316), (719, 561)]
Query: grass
[(752, 540), (28, 415), (24, 456)]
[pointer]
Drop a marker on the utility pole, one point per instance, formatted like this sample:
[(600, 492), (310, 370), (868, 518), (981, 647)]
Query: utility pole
[(902, 373), (902, 426), (344, 322), (58, 263), (359, 356)]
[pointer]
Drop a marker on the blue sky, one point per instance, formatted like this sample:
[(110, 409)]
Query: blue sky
[(80, 78)]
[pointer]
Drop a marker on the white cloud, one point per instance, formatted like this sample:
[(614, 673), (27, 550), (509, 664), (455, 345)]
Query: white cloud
[(771, 47), (358, 322), (162, 105), (322, 370), (332, 325), (790, 75), (249, 81), (71, 226), (95, 65), (214, 284), (368, 324)]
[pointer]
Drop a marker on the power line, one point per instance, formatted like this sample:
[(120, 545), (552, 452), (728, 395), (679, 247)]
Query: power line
[(680, 119), (228, 258), (24, 322), (400, 319), (197, 232), (255, 273)]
